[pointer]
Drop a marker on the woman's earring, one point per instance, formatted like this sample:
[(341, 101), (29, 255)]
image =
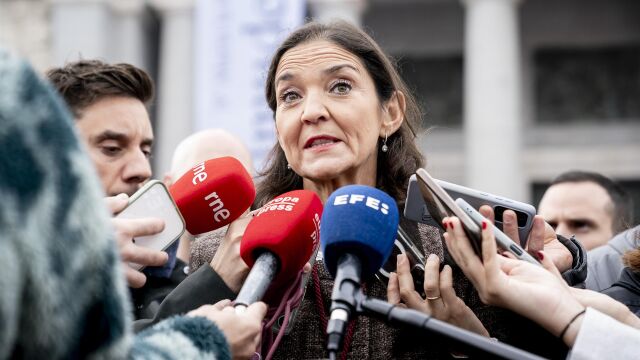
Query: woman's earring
[(385, 148), (288, 166)]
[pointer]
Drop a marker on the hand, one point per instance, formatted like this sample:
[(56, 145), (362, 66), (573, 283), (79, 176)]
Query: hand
[(441, 301), (227, 261), (126, 230), (517, 285), (542, 236), (242, 331)]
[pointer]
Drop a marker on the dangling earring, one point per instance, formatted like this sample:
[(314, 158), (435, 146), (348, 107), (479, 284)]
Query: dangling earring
[(288, 166), (385, 148)]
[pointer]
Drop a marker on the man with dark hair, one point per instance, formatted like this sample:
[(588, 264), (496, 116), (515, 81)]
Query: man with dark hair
[(109, 103), (593, 208), (588, 205)]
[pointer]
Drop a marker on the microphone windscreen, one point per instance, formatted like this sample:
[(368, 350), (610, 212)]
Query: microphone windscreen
[(213, 194), (288, 227), (362, 221)]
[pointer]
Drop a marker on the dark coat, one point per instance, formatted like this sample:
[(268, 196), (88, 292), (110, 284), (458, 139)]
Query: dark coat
[(627, 290)]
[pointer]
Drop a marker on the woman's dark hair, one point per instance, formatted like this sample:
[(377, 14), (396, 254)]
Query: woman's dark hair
[(402, 158)]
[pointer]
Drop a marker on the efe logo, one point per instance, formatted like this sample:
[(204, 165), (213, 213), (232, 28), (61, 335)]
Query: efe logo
[(368, 201)]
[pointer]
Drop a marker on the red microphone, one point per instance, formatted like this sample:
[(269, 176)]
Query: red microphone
[(278, 242), (213, 194)]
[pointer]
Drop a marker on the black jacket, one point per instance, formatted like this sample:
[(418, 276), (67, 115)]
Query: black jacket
[(627, 290)]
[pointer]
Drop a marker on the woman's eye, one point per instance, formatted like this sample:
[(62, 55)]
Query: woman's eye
[(289, 96), (342, 87)]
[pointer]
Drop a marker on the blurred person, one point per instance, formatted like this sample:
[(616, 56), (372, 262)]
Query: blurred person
[(199, 147), (626, 288), (63, 294), (108, 102), (588, 205), (593, 325), (343, 116), (593, 208)]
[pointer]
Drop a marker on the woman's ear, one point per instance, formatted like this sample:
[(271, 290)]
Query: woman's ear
[(394, 110)]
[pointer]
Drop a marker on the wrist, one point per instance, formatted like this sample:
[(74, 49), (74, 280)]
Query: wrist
[(566, 310), (570, 332)]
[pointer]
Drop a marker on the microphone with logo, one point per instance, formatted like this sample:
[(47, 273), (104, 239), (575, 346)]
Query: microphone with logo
[(359, 226), (277, 243), (213, 194)]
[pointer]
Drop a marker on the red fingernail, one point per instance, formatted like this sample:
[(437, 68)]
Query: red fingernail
[(451, 224), (540, 255), (444, 224), (484, 225)]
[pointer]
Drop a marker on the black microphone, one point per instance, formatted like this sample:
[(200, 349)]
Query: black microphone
[(359, 226)]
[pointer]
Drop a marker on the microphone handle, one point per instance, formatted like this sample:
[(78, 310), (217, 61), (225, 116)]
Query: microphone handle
[(474, 343), (346, 287), (258, 281)]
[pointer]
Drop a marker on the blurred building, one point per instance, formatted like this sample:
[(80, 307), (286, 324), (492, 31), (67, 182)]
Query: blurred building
[(514, 92)]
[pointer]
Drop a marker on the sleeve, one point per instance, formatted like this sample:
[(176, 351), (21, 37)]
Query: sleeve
[(602, 337), (577, 275), (202, 287), (181, 337)]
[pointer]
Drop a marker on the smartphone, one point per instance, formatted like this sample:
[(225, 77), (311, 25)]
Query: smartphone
[(502, 240), (415, 208), (440, 205), (153, 200), (417, 261)]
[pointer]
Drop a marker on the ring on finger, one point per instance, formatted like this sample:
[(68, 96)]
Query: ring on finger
[(433, 297)]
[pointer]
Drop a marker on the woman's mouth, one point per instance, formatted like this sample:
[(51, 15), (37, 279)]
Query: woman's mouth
[(320, 142)]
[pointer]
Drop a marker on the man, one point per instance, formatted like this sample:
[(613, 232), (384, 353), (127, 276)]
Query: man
[(109, 103), (593, 208), (588, 205)]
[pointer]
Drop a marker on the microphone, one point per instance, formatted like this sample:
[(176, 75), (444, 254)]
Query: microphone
[(213, 194), (359, 227), (278, 242)]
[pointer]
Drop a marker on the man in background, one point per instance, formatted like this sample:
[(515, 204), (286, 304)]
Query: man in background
[(109, 104), (593, 208)]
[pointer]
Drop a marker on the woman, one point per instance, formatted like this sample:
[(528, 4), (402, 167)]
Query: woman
[(342, 116)]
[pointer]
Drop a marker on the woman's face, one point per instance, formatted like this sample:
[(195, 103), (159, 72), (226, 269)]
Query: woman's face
[(328, 116)]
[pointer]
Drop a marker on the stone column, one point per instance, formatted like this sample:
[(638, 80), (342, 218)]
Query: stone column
[(327, 10), (493, 115), (175, 90)]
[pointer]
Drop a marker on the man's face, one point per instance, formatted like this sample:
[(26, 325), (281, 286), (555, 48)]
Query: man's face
[(118, 135), (581, 208)]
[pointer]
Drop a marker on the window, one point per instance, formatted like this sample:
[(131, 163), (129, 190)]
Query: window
[(437, 86), (588, 85)]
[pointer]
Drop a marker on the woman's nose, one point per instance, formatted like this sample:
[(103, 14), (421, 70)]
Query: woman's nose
[(314, 109)]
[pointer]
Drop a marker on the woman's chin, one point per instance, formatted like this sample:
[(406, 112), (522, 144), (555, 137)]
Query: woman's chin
[(323, 171)]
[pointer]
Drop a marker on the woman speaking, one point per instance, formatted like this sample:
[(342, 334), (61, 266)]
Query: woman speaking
[(344, 116)]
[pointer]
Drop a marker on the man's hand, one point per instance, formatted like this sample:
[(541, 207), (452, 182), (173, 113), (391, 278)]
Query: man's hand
[(126, 231), (242, 331), (541, 237)]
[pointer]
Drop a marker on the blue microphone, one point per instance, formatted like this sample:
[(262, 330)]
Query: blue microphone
[(357, 231)]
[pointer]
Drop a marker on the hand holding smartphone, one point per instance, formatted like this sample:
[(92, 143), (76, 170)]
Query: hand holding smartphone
[(153, 201), (502, 240)]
